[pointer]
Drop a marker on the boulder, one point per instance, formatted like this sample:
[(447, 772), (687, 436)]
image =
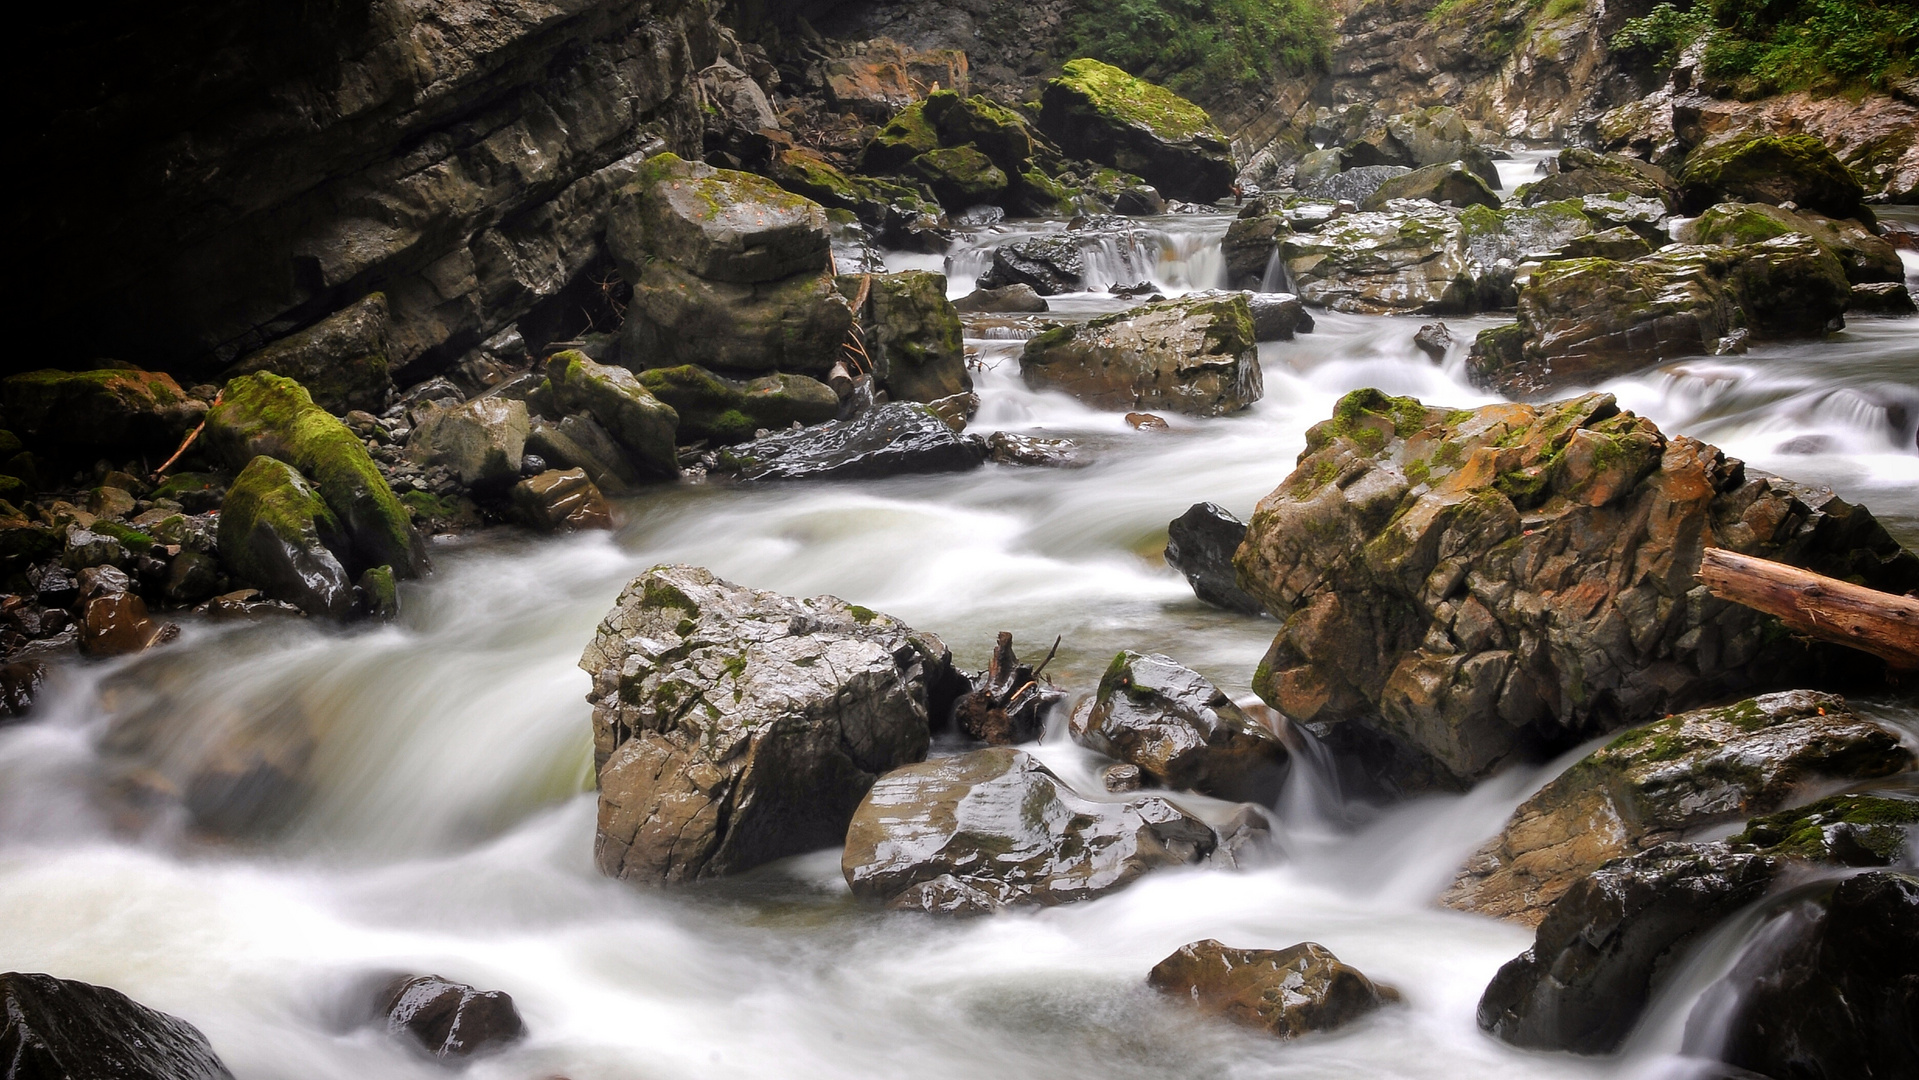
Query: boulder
[(113, 410), (561, 500), (906, 136), (1181, 730), (796, 324), (1775, 169), (913, 335), (1867, 257), (883, 76), (1098, 112), (994, 828), (1582, 321), (889, 440), (959, 176), (733, 726), (1286, 992), (1612, 940), (642, 424), (1276, 316), (1006, 448), (1434, 339), (579, 442), (1316, 167), (1829, 993), (1885, 298), (895, 213), (1583, 172), (1200, 544), (481, 441), (717, 224), (725, 411), (1354, 185), (63, 1028), (1408, 258), (341, 360), (266, 414), (449, 1019), (1046, 264), (1663, 781), (1250, 246), (1451, 183), (1473, 585), (116, 624), (1018, 299), (1620, 244), (277, 534), (1194, 355), (997, 132)]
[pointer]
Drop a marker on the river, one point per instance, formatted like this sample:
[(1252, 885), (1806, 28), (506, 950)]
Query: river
[(448, 822)]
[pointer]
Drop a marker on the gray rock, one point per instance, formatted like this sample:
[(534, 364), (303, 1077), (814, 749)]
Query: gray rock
[(1200, 544), (1886, 298), (1451, 183), (1007, 300), (643, 425), (1007, 448), (481, 441), (1354, 185), (1047, 265), (1194, 355), (995, 828), (732, 726), (341, 360), (1277, 316), (1434, 339), (579, 442), (717, 224), (1181, 731), (888, 440)]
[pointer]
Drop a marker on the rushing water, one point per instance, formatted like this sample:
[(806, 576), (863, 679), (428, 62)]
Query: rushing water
[(448, 822)]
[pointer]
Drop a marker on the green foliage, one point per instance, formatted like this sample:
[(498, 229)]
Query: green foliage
[(1199, 45), (1772, 46), (1663, 33)]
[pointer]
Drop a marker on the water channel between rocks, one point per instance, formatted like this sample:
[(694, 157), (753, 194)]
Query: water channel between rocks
[(450, 823)]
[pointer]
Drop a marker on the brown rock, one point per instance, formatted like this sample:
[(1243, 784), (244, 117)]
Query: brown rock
[(118, 623), (1288, 992), (562, 501)]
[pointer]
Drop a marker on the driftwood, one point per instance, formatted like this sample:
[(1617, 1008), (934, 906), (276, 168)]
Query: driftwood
[(1008, 700), (1885, 625)]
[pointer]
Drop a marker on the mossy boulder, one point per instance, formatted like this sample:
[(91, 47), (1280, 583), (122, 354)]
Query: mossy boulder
[(997, 131), (266, 414), (1098, 112), (1583, 172), (1196, 355), (1450, 183), (642, 424), (110, 410), (278, 535), (913, 334), (1409, 258), (725, 411), (1867, 257), (901, 139), (341, 360), (894, 212), (1775, 169), (717, 224), (960, 176), (1667, 779)]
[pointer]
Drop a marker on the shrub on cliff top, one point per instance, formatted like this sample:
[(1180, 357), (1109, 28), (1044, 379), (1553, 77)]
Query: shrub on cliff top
[(1770, 46), (1204, 45)]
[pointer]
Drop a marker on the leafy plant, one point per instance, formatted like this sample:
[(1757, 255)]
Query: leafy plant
[(1768, 46), (1198, 45)]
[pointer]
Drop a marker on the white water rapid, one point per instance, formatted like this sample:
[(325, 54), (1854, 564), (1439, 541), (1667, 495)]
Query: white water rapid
[(449, 824)]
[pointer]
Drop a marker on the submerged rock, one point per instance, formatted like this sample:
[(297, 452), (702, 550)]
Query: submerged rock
[(1194, 355), (1200, 544), (995, 828), (893, 439), (1664, 780), (449, 1019), (1098, 112), (732, 726), (1478, 584), (1286, 992), (1182, 731), (1006, 300), (62, 1028), (278, 534)]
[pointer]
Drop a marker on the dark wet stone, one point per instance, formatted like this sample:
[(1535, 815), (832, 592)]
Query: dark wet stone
[(60, 1029), (1200, 544), (894, 439), (449, 1019), (1286, 992), (1181, 730)]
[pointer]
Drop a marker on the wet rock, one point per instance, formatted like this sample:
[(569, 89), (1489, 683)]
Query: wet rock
[(995, 828), (1612, 940), (1277, 316), (245, 604), (732, 727), (726, 411), (1181, 730), (957, 411), (65, 1028), (1355, 185), (1866, 256), (882, 210), (1887, 298), (341, 360), (1854, 829), (561, 501), (1479, 584), (718, 224), (1250, 246), (1098, 112), (913, 335), (1120, 777), (1434, 339), (959, 175), (481, 441), (579, 442), (1286, 992), (113, 619), (449, 1019), (642, 424), (1619, 244), (20, 684), (1145, 421), (110, 502), (1775, 169), (265, 414), (1452, 184), (1010, 299), (196, 492), (1583, 172), (901, 139), (1829, 993), (1408, 258), (124, 410), (1007, 448), (1664, 780), (1047, 265), (893, 439), (278, 534), (1195, 355), (85, 548), (1200, 544), (376, 595), (1585, 320)]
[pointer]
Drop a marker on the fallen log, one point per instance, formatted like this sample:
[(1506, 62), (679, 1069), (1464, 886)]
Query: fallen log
[(1885, 625)]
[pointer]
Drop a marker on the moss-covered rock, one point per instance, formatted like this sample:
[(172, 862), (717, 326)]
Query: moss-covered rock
[(717, 224), (1867, 258), (900, 140), (341, 360), (1450, 183), (1585, 172), (266, 414), (1195, 355), (998, 132), (111, 410), (1098, 112), (1771, 169), (796, 324), (278, 535), (725, 411), (914, 336), (896, 214), (643, 425), (960, 176)]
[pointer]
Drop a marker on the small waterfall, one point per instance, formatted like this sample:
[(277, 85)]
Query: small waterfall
[(1275, 278)]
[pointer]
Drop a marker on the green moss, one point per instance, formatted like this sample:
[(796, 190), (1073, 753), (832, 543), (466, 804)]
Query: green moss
[(135, 540), (862, 615), (426, 506), (1876, 824), (1369, 417), (1115, 94), (903, 138), (658, 593), (735, 666), (1217, 46)]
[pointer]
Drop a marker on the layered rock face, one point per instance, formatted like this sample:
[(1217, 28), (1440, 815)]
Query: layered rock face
[(732, 726), (1477, 584), (276, 166)]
